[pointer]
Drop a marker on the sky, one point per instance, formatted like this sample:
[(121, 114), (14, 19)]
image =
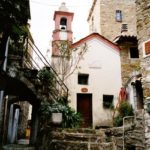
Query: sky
[(42, 23)]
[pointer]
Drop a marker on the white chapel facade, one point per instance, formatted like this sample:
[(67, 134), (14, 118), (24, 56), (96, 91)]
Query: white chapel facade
[(95, 83)]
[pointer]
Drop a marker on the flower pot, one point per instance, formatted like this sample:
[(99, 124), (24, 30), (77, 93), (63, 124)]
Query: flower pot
[(56, 118)]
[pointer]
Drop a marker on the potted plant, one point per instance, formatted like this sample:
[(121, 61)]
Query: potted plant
[(56, 113), (60, 113), (52, 111)]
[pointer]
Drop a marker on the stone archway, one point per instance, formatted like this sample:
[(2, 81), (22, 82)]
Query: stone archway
[(16, 91), (13, 113)]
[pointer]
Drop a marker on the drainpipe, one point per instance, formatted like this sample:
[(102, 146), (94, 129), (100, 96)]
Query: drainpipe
[(124, 129)]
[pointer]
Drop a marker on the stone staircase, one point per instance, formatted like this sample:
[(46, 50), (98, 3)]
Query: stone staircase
[(18, 147), (80, 139), (23, 144)]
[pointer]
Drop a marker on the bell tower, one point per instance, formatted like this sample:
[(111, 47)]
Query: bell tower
[(63, 27)]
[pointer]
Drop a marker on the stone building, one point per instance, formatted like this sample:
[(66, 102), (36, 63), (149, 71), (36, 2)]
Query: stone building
[(143, 31), (111, 18), (143, 35), (117, 22)]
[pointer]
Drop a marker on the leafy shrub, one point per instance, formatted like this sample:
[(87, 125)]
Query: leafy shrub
[(45, 75), (118, 121), (71, 118), (124, 109)]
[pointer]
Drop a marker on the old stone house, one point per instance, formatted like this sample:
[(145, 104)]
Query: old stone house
[(111, 18), (118, 24), (143, 35)]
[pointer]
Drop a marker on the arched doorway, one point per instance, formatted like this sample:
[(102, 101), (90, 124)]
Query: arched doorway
[(16, 95)]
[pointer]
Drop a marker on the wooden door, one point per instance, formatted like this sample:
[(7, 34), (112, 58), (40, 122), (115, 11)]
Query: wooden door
[(84, 106)]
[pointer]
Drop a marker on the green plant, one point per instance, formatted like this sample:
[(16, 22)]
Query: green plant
[(71, 118), (124, 109), (45, 75), (118, 121)]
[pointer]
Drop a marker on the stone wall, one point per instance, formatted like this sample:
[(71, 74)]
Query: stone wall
[(131, 135), (24, 119), (147, 128), (143, 31), (110, 28), (128, 65)]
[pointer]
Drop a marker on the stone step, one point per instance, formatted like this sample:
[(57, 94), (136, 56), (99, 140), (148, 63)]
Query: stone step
[(23, 141), (77, 130), (59, 145), (18, 147), (79, 136)]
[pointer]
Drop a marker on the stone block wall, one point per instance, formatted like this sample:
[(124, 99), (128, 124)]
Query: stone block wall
[(128, 66), (110, 28), (147, 127), (143, 34), (116, 138)]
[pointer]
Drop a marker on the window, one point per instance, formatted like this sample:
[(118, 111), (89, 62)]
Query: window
[(147, 47), (124, 27), (118, 15), (108, 101), (83, 79), (134, 52)]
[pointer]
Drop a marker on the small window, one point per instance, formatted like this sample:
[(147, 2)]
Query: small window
[(118, 15), (83, 79), (124, 27), (108, 101), (134, 52)]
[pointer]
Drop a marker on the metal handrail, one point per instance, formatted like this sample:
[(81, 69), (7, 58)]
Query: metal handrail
[(42, 62), (124, 129)]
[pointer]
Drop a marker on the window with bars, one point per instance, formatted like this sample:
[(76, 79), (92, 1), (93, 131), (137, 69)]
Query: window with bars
[(124, 27)]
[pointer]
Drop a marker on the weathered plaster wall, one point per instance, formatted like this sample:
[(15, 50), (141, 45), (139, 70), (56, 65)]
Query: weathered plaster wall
[(102, 63)]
